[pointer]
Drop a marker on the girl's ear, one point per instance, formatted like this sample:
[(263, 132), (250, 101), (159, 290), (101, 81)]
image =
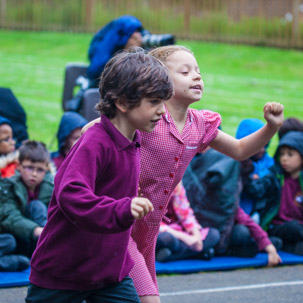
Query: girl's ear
[(121, 105)]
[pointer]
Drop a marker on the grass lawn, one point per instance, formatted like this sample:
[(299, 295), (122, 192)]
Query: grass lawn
[(238, 79)]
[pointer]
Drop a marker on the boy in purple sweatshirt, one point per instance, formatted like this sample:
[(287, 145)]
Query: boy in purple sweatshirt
[(82, 251)]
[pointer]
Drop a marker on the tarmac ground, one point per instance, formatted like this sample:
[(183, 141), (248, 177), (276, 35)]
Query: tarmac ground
[(282, 284)]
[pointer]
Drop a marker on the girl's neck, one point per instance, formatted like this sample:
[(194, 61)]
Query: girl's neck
[(178, 112)]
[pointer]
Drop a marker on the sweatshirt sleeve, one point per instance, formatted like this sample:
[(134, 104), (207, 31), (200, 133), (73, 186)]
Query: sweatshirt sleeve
[(75, 185), (257, 233)]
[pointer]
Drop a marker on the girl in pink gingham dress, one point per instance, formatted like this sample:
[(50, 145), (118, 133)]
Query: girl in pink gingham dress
[(166, 152)]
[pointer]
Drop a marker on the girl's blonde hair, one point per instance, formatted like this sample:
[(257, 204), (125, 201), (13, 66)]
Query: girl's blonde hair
[(163, 52)]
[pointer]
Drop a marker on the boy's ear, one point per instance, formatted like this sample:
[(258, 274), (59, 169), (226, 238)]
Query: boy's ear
[(121, 105)]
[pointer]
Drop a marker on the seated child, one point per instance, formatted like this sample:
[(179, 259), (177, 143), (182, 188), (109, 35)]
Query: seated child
[(290, 124), (255, 167), (8, 155), (183, 237), (82, 253), (68, 133), (25, 196), (212, 182), (8, 260), (285, 218)]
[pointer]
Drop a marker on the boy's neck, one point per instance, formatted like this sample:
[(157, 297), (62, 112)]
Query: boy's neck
[(178, 112), (122, 125)]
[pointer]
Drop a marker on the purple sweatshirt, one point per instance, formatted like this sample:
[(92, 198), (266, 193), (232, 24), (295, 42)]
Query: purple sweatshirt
[(256, 232), (84, 243)]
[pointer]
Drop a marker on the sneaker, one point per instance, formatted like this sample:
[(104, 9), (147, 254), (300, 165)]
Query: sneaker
[(208, 255), (277, 242), (298, 249), (163, 254), (23, 262), (14, 263)]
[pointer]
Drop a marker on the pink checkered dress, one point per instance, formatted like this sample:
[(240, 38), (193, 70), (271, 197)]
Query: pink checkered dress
[(165, 154)]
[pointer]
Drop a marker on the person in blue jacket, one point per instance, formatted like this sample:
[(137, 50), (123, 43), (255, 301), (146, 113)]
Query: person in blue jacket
[(121, 33), (255, 167), (108, 40)]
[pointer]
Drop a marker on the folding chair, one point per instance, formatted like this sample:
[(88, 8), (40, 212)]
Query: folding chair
[(72, 72), (90, 98)]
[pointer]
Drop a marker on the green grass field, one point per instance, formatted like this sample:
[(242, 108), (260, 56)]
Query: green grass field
[(238, 79)]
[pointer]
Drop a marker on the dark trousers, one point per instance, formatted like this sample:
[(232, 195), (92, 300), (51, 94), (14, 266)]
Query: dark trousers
[(180, 250), (291, 233), (123, 291), (35, 211), (241, 243), (8, 262)]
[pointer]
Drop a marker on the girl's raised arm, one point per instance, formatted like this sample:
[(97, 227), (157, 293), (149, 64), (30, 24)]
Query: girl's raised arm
[(250, 145)]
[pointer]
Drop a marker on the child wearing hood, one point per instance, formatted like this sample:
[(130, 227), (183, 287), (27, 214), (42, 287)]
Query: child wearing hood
[(8, 155), (283, 187), (68, 133), (254, 167)]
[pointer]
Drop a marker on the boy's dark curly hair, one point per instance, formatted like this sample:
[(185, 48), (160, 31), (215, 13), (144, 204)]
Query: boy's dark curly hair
[(131, 76), (33, 151)]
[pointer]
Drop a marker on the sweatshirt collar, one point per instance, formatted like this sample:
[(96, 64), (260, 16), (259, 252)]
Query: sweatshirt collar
[(118, 138)]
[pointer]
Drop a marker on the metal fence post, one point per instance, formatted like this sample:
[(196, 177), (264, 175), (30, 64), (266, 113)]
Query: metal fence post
[(3, 11), (89, 7), (295, 22)]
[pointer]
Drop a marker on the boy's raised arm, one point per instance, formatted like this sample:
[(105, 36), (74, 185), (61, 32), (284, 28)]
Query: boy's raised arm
[(248, 146)]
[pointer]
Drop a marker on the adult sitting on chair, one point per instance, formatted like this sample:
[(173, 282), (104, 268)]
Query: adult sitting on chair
[(119, 34)]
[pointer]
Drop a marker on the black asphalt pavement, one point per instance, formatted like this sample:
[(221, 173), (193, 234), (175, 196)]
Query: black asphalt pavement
[(283, 284)]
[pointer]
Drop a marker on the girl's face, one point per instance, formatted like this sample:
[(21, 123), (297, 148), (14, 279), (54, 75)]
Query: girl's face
[(185, 73), (291, 161), (7, 143)]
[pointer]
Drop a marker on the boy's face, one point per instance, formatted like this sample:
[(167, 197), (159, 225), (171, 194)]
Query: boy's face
[(145, 116), (291, 161), (184, 71), (7, 143), (32, 173)]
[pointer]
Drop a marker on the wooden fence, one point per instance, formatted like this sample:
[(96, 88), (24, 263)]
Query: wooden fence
[(261, 22)]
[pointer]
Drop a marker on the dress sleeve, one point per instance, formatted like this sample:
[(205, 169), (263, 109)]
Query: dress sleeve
[(208, 123)]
